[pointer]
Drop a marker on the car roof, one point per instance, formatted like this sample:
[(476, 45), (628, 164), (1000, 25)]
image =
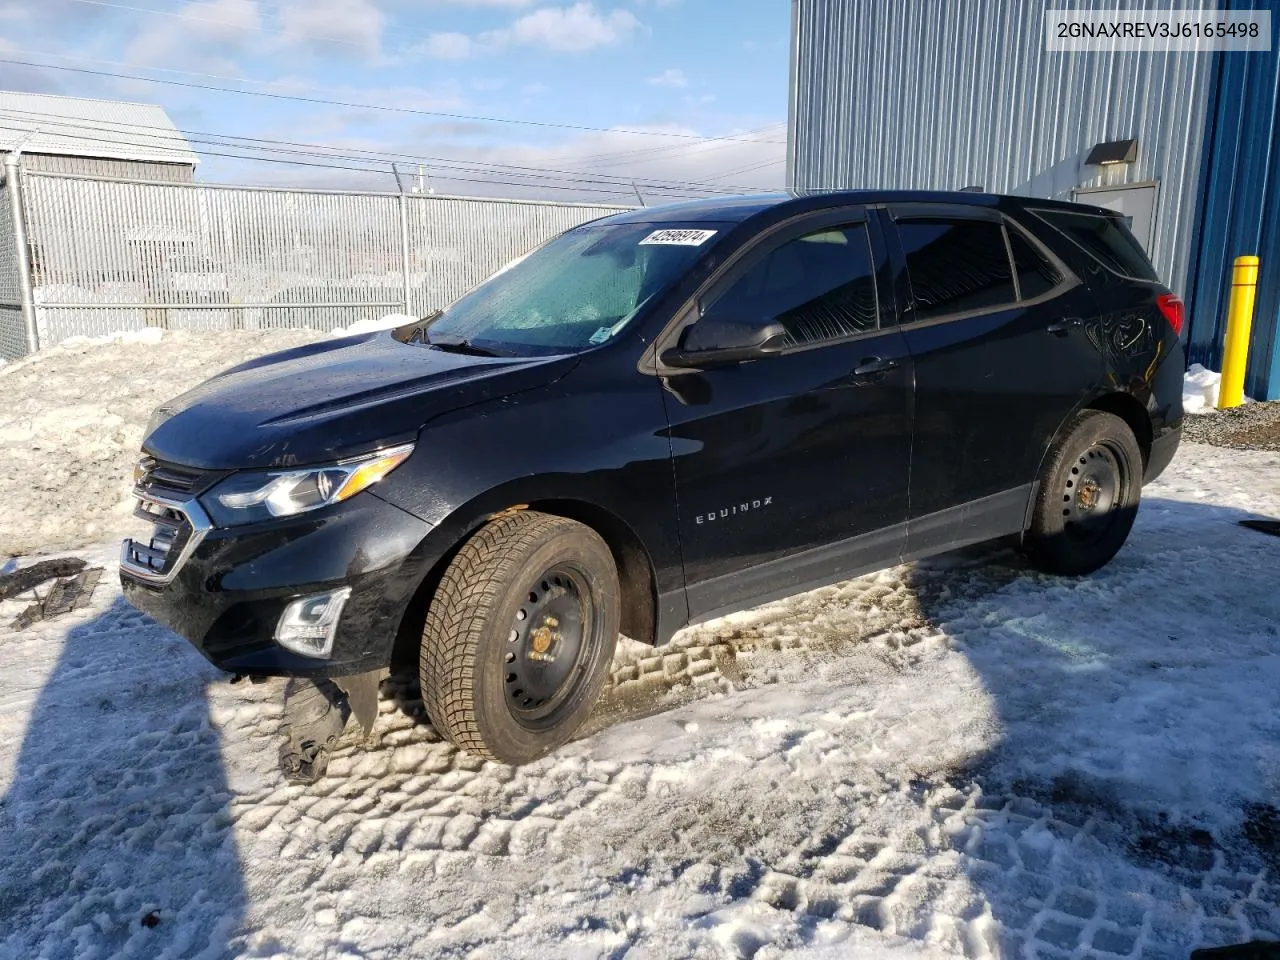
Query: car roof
[(736, 209)]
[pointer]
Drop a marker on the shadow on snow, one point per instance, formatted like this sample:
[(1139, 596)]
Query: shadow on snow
[(115, 833)]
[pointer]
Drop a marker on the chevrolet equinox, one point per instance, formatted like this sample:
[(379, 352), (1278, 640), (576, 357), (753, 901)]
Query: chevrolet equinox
[(652, 420)]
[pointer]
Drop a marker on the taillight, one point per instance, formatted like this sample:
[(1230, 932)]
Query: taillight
[(1170, 305)]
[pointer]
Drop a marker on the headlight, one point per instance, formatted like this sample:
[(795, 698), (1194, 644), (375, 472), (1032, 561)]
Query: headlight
[(250, 497)]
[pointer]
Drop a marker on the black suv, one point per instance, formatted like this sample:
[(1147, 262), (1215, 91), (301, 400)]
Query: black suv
[(654, 419)]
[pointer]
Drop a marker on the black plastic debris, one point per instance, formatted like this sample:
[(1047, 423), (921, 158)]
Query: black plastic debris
[(1253, 950), (28, 578), (67, 593), (1263, 526)]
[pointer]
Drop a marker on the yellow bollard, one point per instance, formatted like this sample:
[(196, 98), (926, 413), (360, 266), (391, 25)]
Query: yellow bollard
[(1235, 351)]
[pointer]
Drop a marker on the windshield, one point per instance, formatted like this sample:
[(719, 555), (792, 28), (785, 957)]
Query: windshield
[(578, 290)]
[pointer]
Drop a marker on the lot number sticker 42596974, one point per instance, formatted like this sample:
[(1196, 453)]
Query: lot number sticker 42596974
[(679, 238)]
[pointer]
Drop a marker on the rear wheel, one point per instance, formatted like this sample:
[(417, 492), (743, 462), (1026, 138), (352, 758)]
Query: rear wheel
[(1088, 496), (519, 636)]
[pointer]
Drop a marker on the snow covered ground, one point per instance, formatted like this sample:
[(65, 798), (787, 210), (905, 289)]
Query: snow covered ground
[(72, 419), (953, 758)]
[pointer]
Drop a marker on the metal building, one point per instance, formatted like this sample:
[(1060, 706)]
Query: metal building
[(957, 93), (102, 138)]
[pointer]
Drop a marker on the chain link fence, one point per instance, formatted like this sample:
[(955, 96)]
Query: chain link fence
[(111, 255), (13, 332)]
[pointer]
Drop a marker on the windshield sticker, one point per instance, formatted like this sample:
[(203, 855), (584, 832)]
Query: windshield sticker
[(679, 238), (601, 335)]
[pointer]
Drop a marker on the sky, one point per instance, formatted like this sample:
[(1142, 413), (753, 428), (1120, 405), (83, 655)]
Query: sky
[(678, 95)]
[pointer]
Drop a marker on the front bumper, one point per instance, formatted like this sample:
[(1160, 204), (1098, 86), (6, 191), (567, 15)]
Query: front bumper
[(227, 593)]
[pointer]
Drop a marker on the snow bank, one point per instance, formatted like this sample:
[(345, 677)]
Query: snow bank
[(373, 325), (73, 418), (1200, 390)]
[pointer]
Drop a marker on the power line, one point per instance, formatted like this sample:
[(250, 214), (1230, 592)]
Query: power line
[(346, 103), (730, 140), (441, 165), (605, 188)]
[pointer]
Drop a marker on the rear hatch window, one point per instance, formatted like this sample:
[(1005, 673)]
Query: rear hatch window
[(1104, 238)]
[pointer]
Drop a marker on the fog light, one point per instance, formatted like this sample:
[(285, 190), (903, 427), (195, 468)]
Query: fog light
[(307, 626)]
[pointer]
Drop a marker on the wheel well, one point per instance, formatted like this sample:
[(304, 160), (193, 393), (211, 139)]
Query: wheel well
[(1132, 412), (635, 573), (635, 577)]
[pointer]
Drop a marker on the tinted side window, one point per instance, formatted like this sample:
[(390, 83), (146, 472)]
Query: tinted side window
[(1036, 275), (820, 286), (956, 265), (1106, 239)]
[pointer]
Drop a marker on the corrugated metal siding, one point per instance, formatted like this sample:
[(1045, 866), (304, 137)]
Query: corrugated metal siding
[(954, 93), (117, 169), (78, 126), (1240, 214)]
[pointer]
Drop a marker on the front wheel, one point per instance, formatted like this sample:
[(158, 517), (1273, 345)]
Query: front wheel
[(519, 636), (1088, 496)]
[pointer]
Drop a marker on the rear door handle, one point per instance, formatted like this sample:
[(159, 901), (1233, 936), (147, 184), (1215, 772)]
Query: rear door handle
[(871, 366), (1062, 327)]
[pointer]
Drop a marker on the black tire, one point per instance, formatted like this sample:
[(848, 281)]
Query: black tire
[(510, 605), (1088, 496)]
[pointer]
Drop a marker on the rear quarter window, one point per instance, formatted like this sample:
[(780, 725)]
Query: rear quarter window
[(1103, 238)]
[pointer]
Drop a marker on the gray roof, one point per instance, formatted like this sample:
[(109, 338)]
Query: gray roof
[(79, 127)]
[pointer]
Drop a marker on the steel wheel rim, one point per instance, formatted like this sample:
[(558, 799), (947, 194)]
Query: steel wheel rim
[(1092, 492), (548, 646)]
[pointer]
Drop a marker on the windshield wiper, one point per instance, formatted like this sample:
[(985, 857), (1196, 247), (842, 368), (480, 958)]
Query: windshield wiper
[(416, 332), (461, 345)]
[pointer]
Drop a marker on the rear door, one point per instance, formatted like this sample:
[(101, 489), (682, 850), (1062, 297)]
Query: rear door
[(994, 325), (792, 469)]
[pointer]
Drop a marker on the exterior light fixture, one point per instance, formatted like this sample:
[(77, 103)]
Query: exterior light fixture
[(1113, 151)]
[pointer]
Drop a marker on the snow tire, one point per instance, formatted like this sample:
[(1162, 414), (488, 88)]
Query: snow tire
[(481, 621), (1088, 496)]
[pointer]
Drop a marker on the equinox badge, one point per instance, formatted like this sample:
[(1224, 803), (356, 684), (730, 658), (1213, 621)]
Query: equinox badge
[(725, 513)]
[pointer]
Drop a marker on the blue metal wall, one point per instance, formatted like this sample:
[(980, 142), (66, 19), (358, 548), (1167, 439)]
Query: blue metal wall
[(949, 93), (1239, 213)]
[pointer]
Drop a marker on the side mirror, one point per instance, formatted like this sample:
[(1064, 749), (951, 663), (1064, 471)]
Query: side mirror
[(716, 342)]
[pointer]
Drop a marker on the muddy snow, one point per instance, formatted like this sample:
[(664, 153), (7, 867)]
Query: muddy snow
[(960, 757)]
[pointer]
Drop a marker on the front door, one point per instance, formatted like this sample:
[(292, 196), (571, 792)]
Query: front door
[(792, 470)]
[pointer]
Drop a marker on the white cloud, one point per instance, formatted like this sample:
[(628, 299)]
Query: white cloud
[(572, 29), (206, 32), (447, 46), (314, 23), (669, 78)]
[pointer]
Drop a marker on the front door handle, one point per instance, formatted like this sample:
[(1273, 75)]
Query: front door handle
[(1061, 328), (873, 365)]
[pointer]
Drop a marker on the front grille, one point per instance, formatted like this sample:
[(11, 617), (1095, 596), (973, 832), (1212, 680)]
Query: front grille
[(170, 531), (174, 529), (174, 480)]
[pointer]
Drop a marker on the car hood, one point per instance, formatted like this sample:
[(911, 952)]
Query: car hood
[(330, 400)]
